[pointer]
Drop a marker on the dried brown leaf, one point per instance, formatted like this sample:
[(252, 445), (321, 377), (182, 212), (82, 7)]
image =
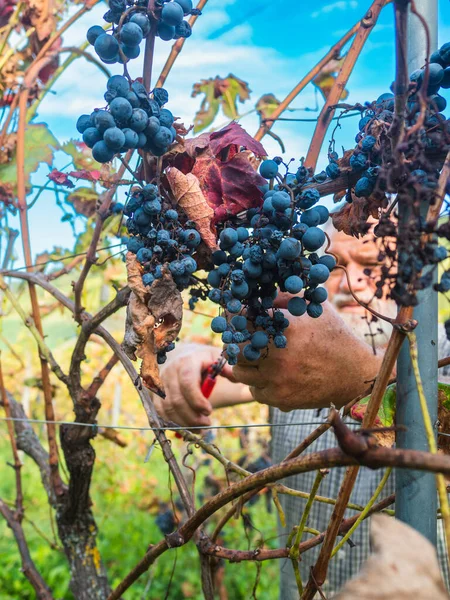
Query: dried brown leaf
[(188, 194), (403, 566), (154, 317)]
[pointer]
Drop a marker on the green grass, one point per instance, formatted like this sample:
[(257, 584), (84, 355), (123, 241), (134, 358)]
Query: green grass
[(125, 491)]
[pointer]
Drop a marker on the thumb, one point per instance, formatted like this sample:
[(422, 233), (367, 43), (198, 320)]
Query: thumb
[(227, 373), (282, 299)]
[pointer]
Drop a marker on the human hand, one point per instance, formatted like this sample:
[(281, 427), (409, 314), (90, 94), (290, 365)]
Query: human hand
[(184, 403), (323, 363)]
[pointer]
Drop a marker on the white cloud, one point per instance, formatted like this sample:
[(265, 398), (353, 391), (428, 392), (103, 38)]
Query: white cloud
[(339, 5)]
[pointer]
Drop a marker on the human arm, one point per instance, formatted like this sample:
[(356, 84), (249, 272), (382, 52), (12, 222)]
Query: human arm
[(182, 375)]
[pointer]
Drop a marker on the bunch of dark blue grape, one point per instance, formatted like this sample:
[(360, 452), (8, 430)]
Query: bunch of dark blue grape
[(274, 249), (368, 155), (161, 238), (131, 24), (132, 119)]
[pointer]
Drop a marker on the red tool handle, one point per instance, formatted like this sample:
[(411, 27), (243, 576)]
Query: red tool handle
[(208, 384)]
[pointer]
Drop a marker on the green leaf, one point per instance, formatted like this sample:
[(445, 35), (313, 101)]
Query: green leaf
[(386, 414), (40, 145), (266, 105), (445, 388), (234, 89), (81, 155), (218, 93)]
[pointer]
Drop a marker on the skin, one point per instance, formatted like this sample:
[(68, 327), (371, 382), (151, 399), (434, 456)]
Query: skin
[(291, 378)]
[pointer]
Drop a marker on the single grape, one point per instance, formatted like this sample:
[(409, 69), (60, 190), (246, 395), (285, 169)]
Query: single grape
[(234, 306), (152, 128), (323, 213), (314, 310), (186, 5), (318, 273), (118, 85), (83, 122), (134, 245), (239, 322), (192, 238), (214, 278), (289, 249), (332, 170), (219, 324), (152, 207), (190, 265), (91, 136), (142, 141), (163, 137), (131, 138), (143, 21), (131, 34), (183, 30), (103, 120), (106, 46), (251, 353), (368, 143), (138, 120), (268, 169), (364, 187), (161, 97), (260, 340), (293, 284), (114, 138), (233, 350), (166, 32), (101, 152), (148, 279), (93, 33), (121, 109), (297, 306), (172, 14), (227, 337), (308, 198), (280, 341), (281, 201), (239, 290), (130, 52), (358, 161), (319, 295), (313, 239), (311, 217)]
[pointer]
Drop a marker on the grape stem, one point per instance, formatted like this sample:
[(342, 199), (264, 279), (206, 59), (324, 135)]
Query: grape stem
[(149, 47)]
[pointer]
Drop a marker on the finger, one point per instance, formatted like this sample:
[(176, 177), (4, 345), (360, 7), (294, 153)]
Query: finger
[(190, 380), (227, 373), (282, 299), (183, 415), (250, 376)]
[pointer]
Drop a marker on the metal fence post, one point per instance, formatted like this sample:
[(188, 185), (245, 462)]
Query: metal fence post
[(416, 499)]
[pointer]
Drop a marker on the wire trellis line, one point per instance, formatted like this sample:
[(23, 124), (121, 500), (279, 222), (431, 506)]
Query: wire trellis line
[(175, 428)]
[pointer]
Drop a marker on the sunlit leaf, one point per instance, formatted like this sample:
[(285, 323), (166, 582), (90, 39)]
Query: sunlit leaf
[(40, 145), (325, 80), (218, 93), (266, 105)]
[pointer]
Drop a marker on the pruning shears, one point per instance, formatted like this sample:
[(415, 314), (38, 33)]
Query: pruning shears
[(209, 376)]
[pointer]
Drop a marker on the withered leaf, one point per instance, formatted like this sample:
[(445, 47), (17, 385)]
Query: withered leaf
[(84, 200), (235, 135), (60, 178), (403, 566), (352, 218), (229, 187), (154, 317), (187, 192)]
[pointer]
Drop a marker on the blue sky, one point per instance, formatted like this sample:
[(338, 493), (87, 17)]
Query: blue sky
[(271, 45)]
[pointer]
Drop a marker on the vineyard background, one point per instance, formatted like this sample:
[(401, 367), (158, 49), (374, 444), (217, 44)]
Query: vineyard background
[(124, 487)]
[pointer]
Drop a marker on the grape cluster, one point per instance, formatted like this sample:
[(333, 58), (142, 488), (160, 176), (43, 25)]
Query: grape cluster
[(274, 249), (133, 119), (161, 238), (134, 22)]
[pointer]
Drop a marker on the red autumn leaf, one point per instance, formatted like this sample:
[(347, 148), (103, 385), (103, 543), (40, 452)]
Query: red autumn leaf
[(60, 178), (234, 134), (229, 187), (93, 175)]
